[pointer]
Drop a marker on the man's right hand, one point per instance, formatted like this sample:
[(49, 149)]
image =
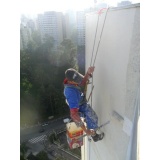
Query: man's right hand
[(90, 132), (90, 70)]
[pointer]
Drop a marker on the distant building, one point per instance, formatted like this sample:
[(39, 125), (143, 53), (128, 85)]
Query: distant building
[(50, 23), (69, 24), (100, 5), (124, 3), (27, 27), (31, 25), (24, 36), (81, 28)]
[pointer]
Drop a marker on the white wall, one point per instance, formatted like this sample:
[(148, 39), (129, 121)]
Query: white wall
[(116, 82)]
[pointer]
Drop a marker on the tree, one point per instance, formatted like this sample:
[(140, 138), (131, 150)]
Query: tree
[(23, 150), (22, 158), (60, 158), (36, 37), (69, 54), (42, 155), (25, 73), (31, 157), (41, 78)]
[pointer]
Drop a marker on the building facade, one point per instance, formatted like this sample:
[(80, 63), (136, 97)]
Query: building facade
[(80, 28), (124, 3), (50, 23), (27, 27), (116, 94)]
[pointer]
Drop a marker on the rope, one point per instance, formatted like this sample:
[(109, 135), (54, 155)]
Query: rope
[(97, 47), (94, 39), (100, 37), (90, 96), (89, 151), (96, 152), (90, 93), (92, 87), (92, 58), (94, 147)]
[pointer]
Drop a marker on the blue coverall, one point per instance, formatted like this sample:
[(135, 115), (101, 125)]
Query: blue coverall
[(76, 100)]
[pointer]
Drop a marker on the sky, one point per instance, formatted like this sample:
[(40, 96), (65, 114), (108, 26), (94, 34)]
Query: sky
[(33, 7)]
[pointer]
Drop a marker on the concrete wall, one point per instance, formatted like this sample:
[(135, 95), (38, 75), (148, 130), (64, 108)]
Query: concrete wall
[(116, 82)]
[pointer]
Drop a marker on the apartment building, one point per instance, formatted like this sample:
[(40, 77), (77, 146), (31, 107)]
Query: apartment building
[(27, 27), (70, 26), (116, 94), (81, 28), (124, 3), (24, 36), (50, 23)]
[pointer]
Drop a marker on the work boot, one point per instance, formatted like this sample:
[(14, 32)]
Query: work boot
[(98, 137)]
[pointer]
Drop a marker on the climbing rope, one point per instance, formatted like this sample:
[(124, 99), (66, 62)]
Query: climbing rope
[(96, 152), (96, 35), (97, 25), (94, 39), (92, 86)]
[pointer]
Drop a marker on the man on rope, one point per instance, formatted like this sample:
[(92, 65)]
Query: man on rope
[(74, 83)]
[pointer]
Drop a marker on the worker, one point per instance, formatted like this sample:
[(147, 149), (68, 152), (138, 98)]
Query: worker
[(74, 83)]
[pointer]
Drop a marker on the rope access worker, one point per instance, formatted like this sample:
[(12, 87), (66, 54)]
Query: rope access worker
[(76, 100)]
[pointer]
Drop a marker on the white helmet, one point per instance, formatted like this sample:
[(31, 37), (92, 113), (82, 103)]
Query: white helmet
[(72, 75)]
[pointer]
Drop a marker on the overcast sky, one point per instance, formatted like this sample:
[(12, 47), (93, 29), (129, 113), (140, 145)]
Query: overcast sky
[(33, 7)]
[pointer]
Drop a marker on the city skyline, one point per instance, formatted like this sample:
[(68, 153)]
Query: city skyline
[(32, 8)]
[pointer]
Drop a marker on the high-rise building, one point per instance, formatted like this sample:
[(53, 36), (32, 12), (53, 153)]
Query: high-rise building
[(69, 23), (50, 23), (24, 36), (124, 3), (117, 81), (81, 28), (100, 5), (27, 27)]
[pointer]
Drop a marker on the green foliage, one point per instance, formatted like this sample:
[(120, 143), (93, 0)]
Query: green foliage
[(54, 138), (41, 78), (22, 158), (76, 151), (67, 55), (42, 155), (36, 38), (60, 158), (23, 149)]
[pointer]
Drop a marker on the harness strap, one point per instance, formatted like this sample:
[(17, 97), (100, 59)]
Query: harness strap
[(82, 94), (72, 86)]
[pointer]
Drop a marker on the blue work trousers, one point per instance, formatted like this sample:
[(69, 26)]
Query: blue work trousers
[(90, 116)]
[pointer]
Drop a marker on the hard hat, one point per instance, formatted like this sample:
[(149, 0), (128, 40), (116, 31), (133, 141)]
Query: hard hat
[(72, 75)]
